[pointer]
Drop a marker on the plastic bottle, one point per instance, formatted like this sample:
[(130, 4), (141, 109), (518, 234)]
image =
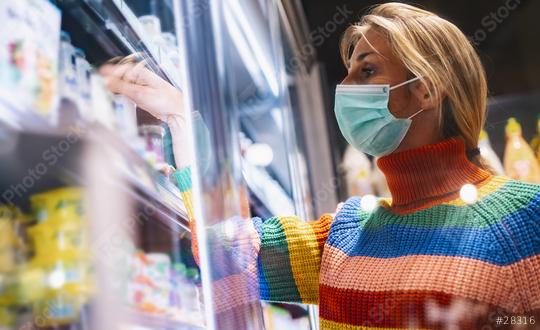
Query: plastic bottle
[(357, 169), (68, 80), (151, 25), (178, 280), (101, 101), (153, 136), (82, 70), (519, 160), (71, 103), (193, 295), (172, 53), (126, 116), (489, 155)]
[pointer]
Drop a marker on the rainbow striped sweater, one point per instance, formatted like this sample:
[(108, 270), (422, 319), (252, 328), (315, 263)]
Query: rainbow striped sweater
[(425, 259)]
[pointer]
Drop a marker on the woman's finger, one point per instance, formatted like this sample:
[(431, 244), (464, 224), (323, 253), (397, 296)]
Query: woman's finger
[(133, 75), (117, 71), (144, 97), (118, 86), (149, 78)]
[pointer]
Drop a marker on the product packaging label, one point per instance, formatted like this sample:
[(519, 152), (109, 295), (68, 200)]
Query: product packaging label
[(29, 47)]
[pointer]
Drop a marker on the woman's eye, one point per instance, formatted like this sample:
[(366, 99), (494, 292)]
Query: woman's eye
[(367, 72)]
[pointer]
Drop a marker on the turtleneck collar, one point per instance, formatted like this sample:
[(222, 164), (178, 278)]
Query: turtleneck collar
[(428, 175)]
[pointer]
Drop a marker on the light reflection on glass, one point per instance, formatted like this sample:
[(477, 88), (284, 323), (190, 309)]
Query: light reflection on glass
[(368, 203), (259, 154), (57, 279), (468, 193)]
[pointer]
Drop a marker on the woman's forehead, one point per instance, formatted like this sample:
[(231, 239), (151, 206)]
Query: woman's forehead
[(372, 41)]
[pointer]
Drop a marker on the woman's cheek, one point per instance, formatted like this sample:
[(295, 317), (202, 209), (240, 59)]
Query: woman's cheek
[(397, 105)]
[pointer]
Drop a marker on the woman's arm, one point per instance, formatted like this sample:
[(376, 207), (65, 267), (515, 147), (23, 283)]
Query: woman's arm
[(277, 259), (282, 253), (290, 258)]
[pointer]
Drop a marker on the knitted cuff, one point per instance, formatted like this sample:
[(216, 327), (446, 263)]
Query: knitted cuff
[(183, 178)]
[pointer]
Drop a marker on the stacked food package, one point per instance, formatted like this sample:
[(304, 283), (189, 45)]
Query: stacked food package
[(158, 286), (45, 259)]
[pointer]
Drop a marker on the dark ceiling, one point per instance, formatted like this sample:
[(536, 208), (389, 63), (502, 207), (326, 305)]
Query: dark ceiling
[(506, 31), (510, 52)]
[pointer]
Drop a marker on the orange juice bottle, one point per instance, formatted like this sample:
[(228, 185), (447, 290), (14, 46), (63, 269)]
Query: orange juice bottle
[(519, 160), (535, 142)]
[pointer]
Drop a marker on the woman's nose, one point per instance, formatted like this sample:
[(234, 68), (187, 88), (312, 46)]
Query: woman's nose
[(348, 80)]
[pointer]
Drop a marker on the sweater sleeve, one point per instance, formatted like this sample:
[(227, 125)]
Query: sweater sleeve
[(285, 251), (524, 228), (290, 258), (521, 228)]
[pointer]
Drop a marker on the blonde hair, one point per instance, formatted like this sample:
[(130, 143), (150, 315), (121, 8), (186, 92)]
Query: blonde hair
[(436, 50)]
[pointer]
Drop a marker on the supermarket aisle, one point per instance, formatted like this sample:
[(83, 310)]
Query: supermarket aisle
[(125, 125)]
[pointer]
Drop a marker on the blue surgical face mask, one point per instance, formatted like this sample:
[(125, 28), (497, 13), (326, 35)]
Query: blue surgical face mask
[(365, 121)]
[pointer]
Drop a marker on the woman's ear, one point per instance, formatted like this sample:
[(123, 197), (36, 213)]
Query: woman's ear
[(424, 92)]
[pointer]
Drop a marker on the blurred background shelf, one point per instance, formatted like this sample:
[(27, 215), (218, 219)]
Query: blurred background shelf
[(524, 107)]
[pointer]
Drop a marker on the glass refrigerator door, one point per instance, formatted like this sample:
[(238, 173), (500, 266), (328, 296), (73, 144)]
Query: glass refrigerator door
[(242, 131), (93, 233)]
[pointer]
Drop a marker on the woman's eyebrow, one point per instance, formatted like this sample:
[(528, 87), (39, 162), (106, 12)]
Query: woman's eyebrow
[(362, 56)]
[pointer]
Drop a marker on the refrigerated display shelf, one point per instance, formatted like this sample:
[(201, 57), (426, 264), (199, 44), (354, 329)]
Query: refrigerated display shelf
[(172, 215), (148, 186), (113, 26), (41, 157), (109, 28)]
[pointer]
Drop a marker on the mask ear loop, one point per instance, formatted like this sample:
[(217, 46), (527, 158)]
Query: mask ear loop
[(414, 114), (404, 83)]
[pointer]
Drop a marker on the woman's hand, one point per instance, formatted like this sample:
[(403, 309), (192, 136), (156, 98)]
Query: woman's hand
[(156, 96), (149, 91)]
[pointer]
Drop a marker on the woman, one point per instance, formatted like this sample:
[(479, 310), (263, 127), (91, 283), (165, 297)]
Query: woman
[(415, 96)]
